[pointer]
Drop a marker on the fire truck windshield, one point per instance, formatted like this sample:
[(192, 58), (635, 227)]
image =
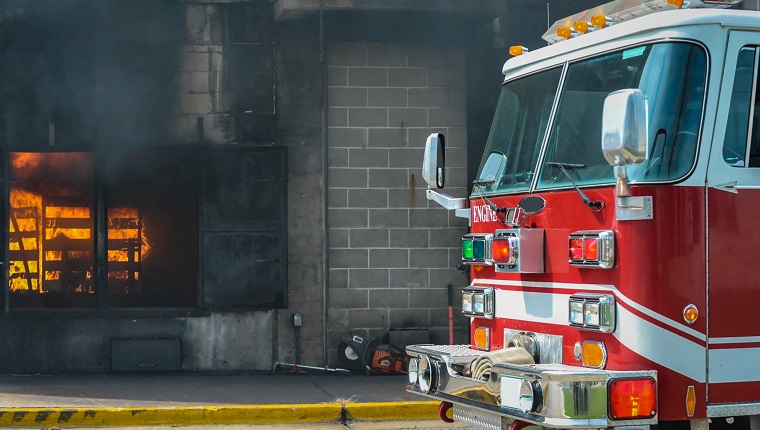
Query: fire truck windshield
[(672, 77)]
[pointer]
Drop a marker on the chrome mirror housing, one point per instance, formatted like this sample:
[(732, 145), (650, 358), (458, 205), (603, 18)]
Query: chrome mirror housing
[(434, 161), (624, 127)]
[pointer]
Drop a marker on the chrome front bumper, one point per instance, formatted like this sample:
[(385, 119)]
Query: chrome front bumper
[(549, 395)]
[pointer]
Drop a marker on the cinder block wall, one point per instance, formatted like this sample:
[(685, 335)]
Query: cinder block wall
[(393, 253)]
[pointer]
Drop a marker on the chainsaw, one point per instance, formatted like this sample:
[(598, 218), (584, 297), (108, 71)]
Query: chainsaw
[(357, 354)]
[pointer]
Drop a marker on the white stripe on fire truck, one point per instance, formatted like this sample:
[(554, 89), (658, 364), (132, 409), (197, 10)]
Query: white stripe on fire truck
[(724, 340), (603, 289), (726, 365), (640, 336)]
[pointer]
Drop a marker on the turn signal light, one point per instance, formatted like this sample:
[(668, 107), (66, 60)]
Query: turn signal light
[(594, 354), (517, 50), (581, 26), (632, 398), (476, 249), (600, 21), (482, 338), (565, 32)]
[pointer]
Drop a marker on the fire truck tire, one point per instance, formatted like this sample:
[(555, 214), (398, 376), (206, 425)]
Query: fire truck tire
[(350, 358)]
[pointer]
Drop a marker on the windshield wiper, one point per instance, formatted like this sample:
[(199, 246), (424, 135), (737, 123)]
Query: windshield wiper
[(593, 204), (480, 184)]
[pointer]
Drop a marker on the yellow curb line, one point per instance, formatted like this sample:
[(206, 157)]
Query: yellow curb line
[(249, 414), (392, 411)]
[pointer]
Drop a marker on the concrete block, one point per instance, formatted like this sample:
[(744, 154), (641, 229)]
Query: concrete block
[(387, 97), (410, 278), (342, 137), (367, 157), (368, 278), (456, 137), (386, 55), (348, 218), (350, 298), (337, 319), (344, 54), (368, 237), (388, 258), (388, 178), (197, 61), (407, 117), (347, 96), (447, 117), (429, 56), (368, 318), (429, 97), (368, 198), (408, 197), (446, 237), (347, 178), (349, 258), (368, 117), (338, 278), (430, 258), (367, 77), (337, 157), (403, 318), (386, 137), (425, 218), (431, 297), (392, 218), (338, 238), (456, 222), (337, 117), (404, 77), (457, 156), (409, 238), (456, 176), (446, 77), (390, 298), (444, 276), (410, 158), (337, 76)]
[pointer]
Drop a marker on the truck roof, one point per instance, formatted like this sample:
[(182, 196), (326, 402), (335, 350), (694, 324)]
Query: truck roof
[(653, 23)]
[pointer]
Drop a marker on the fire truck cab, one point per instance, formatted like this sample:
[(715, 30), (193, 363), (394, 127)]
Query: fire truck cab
[(614, 243)]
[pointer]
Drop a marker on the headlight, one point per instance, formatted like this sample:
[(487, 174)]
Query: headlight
[(466, 303), (592, 311), (576, 312), (412, 370), (478, 302)]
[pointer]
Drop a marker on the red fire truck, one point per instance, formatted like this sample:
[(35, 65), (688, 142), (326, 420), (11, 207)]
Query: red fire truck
[(614, 244)]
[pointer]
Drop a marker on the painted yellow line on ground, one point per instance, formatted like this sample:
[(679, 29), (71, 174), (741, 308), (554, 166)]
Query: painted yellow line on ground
[(393, 410), (248, 414), (259, 414)]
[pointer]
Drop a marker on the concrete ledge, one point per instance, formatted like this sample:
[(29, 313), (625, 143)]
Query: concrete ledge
[(248, 414), (287, 9)]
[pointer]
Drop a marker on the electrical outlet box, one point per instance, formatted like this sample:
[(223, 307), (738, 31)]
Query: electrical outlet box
[(297, 320)]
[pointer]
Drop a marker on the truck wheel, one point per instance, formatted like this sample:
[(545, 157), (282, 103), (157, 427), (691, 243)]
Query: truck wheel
[(349, 357)]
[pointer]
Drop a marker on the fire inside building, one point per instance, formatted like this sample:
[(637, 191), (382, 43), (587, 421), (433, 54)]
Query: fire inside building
[(182, 179)]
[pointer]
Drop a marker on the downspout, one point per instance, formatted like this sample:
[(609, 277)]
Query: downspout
[(325, 164)]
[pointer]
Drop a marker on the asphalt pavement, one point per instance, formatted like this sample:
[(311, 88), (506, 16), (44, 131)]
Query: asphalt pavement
[(206, 399)]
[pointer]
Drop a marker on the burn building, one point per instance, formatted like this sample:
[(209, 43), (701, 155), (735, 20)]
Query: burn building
[(181, 177)]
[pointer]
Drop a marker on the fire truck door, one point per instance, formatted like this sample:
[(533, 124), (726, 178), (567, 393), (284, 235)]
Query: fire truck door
[(733, 230)]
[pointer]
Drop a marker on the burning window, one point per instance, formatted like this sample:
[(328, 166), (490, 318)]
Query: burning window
[(149, 240), (50, 236)]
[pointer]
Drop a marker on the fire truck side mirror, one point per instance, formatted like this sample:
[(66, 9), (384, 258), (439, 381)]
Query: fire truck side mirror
[(624, 127), (434, 161)]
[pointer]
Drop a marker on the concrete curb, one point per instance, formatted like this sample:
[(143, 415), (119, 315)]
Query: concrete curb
[(248, 414)]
